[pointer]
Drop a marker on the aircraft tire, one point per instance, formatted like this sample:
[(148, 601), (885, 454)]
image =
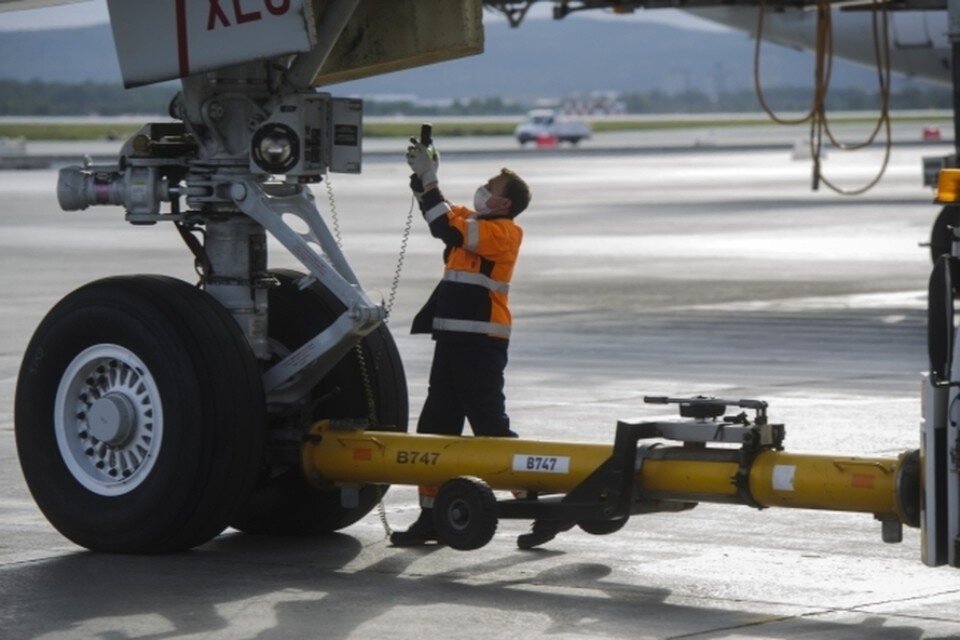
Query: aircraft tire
[(284, 503), (940, 237), (139, 416)]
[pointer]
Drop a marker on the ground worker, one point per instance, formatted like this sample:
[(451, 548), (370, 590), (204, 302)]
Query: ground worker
[(467, 314)]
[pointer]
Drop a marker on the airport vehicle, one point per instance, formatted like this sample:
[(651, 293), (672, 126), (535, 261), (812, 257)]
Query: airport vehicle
[(545, 123), (151, 414)]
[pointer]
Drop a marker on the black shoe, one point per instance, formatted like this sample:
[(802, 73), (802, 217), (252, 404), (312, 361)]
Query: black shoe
[(420, 532), (543, 531)]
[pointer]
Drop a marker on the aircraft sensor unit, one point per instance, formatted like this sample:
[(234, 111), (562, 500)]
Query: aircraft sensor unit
[(307, 134)]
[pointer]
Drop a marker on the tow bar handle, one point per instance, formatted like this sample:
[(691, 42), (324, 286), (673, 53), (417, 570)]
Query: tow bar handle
[(703, 407), (743, 404)]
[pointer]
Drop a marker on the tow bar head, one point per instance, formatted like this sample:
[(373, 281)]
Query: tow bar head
[(704, 408)]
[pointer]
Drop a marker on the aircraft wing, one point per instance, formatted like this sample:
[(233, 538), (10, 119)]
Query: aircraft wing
[(162, 39), (515, 10)]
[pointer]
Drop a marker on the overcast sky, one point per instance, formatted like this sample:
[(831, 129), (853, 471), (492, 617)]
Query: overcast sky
[(87, 12)]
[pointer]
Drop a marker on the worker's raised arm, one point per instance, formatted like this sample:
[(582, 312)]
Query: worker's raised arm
[(440, 215)]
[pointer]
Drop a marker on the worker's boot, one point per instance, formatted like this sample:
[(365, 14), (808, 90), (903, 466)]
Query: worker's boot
[(420, 532), (542, 531)]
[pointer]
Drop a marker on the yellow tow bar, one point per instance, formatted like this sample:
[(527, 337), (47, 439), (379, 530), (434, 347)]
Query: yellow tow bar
[(602, 482)]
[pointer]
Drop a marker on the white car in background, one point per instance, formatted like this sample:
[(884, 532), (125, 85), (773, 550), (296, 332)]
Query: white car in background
[(544, 123)]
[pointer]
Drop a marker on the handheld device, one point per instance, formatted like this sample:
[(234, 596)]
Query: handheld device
[(426, 139)]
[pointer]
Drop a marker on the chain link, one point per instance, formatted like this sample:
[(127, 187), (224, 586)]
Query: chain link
[(404, 240), (334, 218), (373, 420)]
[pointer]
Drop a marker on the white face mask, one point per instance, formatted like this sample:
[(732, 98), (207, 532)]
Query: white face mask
[(480, 199)]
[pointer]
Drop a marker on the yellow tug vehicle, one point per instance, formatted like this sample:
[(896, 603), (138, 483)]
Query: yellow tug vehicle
[(707, 456)]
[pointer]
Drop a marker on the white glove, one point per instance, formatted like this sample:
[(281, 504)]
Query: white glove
[(418, 157)]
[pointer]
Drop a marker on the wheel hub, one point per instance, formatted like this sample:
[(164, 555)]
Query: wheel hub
[(108, 419), (112, 419), (459, 513)]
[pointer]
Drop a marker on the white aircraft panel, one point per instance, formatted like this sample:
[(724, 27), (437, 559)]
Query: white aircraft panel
[(14, 5), (165, 40)]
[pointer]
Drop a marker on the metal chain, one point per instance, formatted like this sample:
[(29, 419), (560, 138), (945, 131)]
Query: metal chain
[(358, 349), (367, 386), (405, 238), (372, 411), (334, 218)]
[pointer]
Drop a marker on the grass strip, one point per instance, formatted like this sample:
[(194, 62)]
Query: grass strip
[(68, 132), (100, 131)]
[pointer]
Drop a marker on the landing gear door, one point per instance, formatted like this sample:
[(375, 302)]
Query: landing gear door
[(166, 40)]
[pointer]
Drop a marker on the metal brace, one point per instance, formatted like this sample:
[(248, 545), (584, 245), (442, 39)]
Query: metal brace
[(267, 204)]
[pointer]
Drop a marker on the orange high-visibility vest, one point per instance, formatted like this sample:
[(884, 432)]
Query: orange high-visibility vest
[(479, 258)]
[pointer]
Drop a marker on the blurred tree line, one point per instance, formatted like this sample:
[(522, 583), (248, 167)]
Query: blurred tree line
[(785, 99), (81, 99), (91, 98)]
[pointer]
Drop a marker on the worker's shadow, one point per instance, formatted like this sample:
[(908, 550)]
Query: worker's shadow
[(332, 587)]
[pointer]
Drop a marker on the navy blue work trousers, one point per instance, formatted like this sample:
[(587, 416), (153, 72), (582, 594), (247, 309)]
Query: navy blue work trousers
[(466, 381)]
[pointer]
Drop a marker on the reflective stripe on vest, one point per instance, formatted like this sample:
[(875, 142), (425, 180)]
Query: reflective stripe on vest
[(472, 326), (436, 211), (468, 277), (473, 234)]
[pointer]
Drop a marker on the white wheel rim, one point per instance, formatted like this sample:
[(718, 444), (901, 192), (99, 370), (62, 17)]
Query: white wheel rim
[(107, 391)]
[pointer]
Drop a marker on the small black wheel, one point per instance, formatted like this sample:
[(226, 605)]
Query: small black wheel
[(139, 416), (602, 527), (465, 513), (940, 236), (284, 503)]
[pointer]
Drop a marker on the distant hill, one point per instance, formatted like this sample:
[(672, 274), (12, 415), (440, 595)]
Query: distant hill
[(541, 58), (59, 55)]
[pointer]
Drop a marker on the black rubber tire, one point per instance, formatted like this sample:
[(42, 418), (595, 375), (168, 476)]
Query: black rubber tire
[(284, 503), (940, 236), (465, 513), (602, 527), (209, 387)]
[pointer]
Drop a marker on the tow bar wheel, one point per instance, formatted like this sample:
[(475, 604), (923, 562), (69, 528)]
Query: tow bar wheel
[(602, 527), (465, 513), (139, 416)]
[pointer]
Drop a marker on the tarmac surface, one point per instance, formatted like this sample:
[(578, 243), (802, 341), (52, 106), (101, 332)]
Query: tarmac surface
[(715, 273)]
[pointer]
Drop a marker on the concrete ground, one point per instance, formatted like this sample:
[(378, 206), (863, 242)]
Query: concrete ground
[(717, 273)]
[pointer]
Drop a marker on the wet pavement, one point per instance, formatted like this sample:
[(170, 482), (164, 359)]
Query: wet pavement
[(670, 274)]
